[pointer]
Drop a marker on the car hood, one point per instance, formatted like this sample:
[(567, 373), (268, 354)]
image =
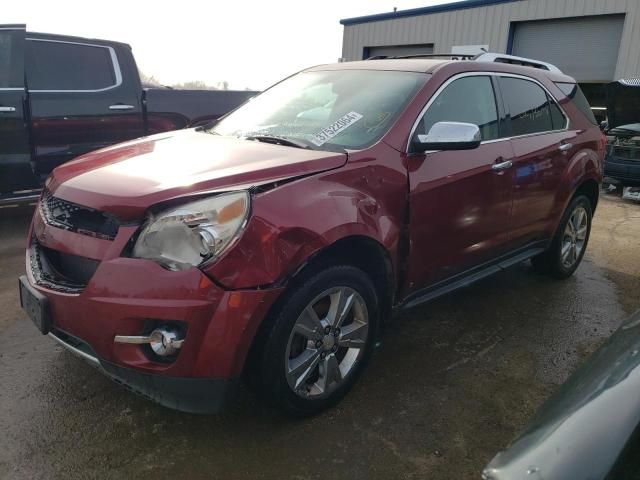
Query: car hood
[(630, 130), (126, 179), (623, 103)]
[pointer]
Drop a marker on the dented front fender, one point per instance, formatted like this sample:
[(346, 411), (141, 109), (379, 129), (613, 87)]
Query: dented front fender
[(292, 222)]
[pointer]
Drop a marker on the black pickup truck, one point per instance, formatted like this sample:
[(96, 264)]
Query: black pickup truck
[(62, 96)]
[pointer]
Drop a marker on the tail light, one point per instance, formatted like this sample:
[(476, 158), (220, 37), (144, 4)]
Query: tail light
[(603, 142), (602, 152)]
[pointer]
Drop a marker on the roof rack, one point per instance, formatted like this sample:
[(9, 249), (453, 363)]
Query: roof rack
[(512, 59), (452, 56), (481, 57)]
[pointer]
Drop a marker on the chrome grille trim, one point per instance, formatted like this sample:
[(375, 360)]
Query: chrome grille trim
[(76, 218)]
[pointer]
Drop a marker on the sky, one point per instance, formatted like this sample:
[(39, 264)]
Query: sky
[(250, 44)]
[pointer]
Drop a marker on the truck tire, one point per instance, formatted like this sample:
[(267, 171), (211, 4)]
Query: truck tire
[(319, 340), (569, 244)]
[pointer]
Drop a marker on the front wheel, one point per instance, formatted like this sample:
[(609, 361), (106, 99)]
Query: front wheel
[(319, 341), (570, 242)]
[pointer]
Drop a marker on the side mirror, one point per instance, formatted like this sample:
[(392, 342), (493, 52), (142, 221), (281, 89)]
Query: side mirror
[(448, 136)]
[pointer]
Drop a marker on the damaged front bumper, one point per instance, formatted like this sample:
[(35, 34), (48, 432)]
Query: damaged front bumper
[(192, 395), (130, 297)]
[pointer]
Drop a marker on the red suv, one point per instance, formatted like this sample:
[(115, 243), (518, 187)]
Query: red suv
[(274, 244)]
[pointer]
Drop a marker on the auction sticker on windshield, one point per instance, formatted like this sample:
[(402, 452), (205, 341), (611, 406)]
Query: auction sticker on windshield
[(337, 127)]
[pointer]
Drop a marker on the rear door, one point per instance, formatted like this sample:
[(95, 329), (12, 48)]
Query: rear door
[(15, 166), (85, 94), (542, 144)]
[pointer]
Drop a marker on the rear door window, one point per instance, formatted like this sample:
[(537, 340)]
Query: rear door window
[(528, 105), (5, 59), (468, 100), (11, 71), (65, 66)]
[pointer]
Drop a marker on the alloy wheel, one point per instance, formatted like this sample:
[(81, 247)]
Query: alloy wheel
[(327, 341), (574, 237)]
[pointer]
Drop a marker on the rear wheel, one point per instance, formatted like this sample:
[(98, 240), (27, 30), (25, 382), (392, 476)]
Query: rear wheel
[(570, 242), (320, 340)]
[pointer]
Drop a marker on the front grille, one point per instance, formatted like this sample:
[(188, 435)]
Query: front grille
[(630, 82), (75, 218), (59, 271), (626, 153)]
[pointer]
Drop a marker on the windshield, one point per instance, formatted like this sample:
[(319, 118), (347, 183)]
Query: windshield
[(326, 109)]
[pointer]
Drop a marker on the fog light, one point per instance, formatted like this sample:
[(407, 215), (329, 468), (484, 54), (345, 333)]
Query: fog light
[(164, 341)]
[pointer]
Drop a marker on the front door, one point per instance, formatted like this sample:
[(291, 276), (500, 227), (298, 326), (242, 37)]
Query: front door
[(460, 203), (15, 156)]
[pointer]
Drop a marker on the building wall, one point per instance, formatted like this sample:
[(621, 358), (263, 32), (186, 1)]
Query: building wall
[(490, 25)]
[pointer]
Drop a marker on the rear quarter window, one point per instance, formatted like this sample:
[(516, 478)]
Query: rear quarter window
[(574, 92)]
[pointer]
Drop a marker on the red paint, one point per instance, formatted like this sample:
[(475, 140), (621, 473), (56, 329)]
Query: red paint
[(460, 213), (459, 210), (128, 178)]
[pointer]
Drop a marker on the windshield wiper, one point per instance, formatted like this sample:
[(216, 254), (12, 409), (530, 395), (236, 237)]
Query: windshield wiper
[(276, 140)]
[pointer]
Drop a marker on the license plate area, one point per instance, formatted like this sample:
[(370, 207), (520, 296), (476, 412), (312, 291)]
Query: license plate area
[(35, 304)]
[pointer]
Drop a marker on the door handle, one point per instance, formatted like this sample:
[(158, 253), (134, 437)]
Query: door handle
[(499, 167), (565, 147), (120, 106), (7, 109)]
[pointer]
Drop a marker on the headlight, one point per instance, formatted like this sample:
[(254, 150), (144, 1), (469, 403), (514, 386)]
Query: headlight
[(193, 233)]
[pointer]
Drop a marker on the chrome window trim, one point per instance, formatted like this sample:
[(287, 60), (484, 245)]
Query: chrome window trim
[(11, 89), (114, 61), (485, 74)]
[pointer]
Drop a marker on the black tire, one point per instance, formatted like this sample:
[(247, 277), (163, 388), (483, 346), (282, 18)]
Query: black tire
[(268, 376), (550, 262)]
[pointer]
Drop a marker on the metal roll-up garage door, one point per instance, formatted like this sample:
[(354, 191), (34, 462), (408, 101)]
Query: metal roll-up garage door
[(584, 47), (399, 50)]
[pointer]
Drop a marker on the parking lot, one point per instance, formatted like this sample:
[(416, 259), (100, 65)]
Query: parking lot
[(450, 385)]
